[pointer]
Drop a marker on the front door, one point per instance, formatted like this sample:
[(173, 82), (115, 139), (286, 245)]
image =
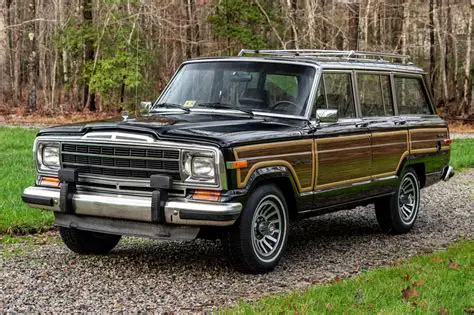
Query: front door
[(342, 150)]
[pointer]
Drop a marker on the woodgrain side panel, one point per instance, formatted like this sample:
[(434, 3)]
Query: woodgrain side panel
[(428, 140), (342, 160), (388, 151), (297, 156)]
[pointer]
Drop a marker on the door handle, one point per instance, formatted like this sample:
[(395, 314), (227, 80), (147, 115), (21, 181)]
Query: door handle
[(400, 122), (362, 124)]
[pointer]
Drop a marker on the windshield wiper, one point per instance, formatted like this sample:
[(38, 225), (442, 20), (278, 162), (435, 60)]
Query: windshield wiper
[(219, 105), (171, 105)]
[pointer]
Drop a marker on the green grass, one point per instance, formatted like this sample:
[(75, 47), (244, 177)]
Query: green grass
[(16, 163), (462, 153), (429, 284), (18, 172)]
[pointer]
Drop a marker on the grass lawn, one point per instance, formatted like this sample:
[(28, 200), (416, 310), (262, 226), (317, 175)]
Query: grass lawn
[(16, 163), (17, 167), (439, 283), (462, 153)]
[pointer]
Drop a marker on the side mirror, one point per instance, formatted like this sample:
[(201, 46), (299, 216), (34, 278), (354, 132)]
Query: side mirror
[(326, 115), (143, 108)]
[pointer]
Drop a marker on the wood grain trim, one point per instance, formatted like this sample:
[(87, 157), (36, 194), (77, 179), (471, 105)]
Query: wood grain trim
[(270, 145), (422, 130), (342, 138), (389, 133), (365, 178), (430, 150), (275, 160)]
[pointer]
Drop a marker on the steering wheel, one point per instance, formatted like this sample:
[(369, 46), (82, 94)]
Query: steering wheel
[(280, 103)]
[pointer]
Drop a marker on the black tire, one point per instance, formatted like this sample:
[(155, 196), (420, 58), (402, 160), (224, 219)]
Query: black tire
[(397, 214), (86, 242), (263, 223)]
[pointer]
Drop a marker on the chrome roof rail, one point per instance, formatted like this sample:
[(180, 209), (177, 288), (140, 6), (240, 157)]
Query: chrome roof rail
[(342, 55)]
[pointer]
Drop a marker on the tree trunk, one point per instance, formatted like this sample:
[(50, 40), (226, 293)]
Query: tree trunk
[(441, 45), (354, 16), (3, 57), (89, 98), (432, 48), (464, 109), (32, 58), (292, 6), (405, 27)]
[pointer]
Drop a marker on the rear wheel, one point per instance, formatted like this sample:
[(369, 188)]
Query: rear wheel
[(87, 242), (397, 214), (255, 244)]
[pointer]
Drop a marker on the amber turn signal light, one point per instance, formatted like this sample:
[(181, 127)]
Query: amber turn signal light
[(237, 164), (208, 195), (49, 181)]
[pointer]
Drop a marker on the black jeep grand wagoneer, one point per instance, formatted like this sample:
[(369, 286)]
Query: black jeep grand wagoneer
[(236, 148)]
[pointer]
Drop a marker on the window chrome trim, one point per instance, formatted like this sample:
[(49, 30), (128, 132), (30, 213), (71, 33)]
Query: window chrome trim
[(221, 180)]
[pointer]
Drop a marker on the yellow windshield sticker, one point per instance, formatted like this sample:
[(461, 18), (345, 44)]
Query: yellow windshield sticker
[(189, 103)]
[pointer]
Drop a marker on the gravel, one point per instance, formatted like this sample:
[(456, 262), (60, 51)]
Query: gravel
[(144, 275)]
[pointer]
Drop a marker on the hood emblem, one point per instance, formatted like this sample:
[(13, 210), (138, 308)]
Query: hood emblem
[(125, 115)]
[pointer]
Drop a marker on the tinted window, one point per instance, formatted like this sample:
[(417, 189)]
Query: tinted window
[(281, 88), (374, 94), (411, 97), (336, 93)]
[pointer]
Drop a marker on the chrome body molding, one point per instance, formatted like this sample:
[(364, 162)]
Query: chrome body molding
[(178, 211), (135, 140)]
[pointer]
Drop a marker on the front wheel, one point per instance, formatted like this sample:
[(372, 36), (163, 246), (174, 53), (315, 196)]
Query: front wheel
[(87, 242), (255, 244), (397, 214)]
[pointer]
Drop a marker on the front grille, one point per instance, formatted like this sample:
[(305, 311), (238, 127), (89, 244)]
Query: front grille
[(120, 160)]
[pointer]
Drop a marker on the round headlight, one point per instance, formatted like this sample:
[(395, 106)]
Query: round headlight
[(203, 167), (50, 155)]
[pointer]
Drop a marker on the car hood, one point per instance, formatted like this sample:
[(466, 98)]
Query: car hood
[(221, 129)]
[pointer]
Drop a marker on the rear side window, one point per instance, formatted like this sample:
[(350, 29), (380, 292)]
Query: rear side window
[(374, 94), (411, 96), (335, 92)]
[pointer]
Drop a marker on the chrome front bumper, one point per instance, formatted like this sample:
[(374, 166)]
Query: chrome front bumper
[(176, 210)]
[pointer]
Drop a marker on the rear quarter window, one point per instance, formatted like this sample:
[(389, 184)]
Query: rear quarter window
[(411, 96)]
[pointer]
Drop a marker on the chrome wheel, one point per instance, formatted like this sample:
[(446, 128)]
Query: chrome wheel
[(268, 228), (408, 198)]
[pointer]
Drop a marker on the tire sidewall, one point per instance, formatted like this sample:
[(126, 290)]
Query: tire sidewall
[(402, 226), (260, 194)]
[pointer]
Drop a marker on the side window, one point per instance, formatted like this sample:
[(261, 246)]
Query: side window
[(336, 93), (374, 94), (411, 97)]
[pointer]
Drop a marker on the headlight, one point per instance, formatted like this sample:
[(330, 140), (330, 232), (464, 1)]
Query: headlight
[(48, 156), (199, 167)]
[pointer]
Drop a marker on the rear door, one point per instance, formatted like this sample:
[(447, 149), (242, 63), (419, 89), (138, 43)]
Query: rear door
[(389, 132), (342, 149)]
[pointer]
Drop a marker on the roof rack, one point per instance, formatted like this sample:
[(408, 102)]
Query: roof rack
[(331, 54)]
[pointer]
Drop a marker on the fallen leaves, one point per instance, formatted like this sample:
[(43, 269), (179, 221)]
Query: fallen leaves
[(409, 293), (454, 265), (443, 311)]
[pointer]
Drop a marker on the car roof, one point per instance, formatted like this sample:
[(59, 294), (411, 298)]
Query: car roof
[(336, 60)]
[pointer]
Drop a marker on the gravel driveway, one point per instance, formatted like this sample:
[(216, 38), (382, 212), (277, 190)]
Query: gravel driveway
[(143, 275)]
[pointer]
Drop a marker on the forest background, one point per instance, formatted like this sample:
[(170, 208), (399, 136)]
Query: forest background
[(65, 56)]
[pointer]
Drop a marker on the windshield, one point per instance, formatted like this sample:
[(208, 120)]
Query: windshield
[(241, 85)]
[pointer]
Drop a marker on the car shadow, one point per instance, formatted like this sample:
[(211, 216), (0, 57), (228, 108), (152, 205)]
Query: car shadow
[(307, 235)]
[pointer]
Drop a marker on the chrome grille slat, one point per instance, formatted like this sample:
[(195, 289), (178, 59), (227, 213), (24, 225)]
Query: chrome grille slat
[(124, 161), (120, 157)]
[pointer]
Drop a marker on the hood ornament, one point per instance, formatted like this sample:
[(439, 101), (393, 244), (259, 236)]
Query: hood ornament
[(125, 115)]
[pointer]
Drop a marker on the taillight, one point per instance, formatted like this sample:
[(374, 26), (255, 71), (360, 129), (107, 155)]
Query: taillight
[(448, 141)]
